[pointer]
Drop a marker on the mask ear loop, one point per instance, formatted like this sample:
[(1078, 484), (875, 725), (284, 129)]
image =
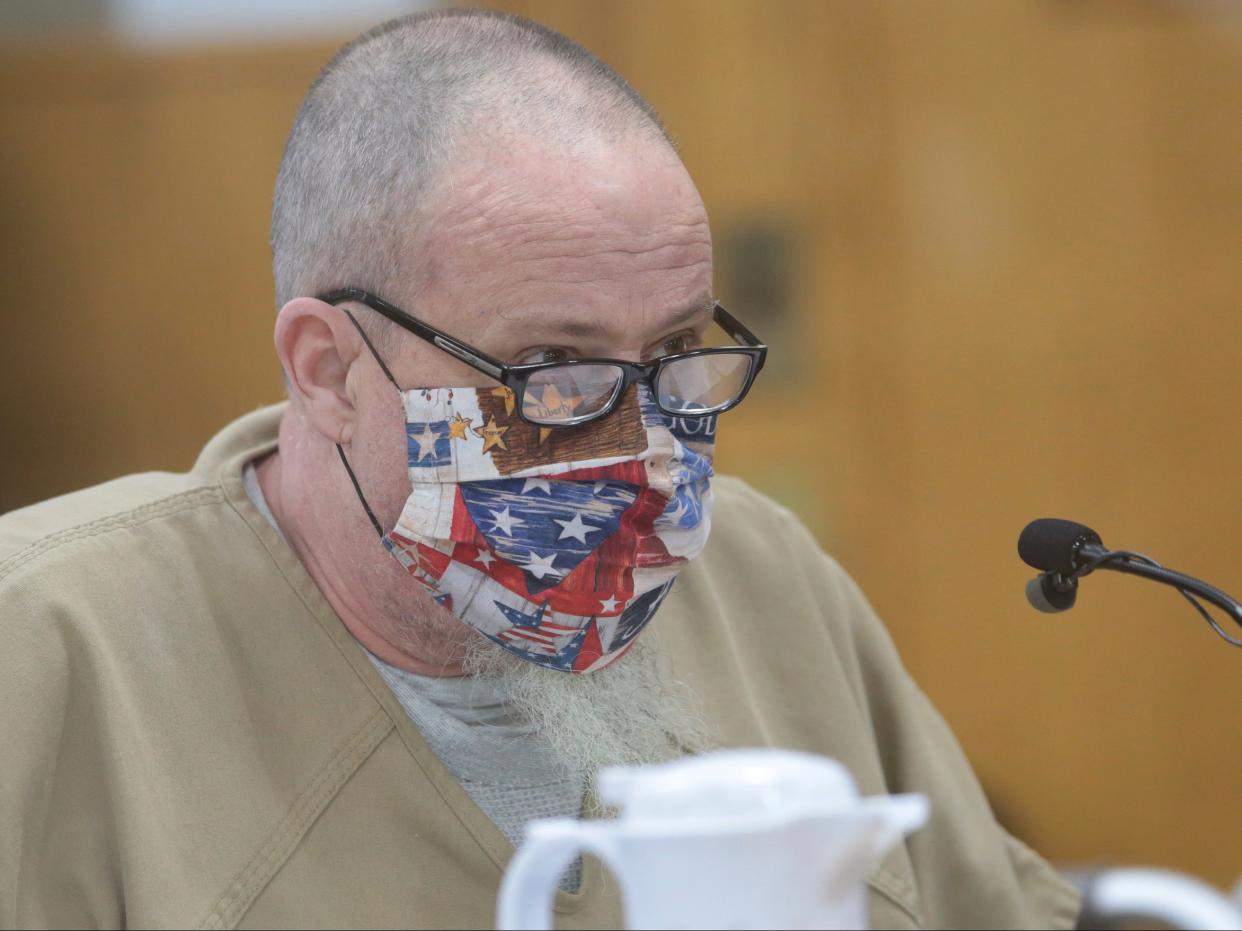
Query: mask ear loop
[(366, 339), (341, 452), (358, 489)]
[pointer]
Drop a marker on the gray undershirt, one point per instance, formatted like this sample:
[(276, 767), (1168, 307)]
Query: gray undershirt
[(504, 767)]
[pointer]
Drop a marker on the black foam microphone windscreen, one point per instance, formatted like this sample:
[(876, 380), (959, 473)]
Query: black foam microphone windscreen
[(1048, 544)]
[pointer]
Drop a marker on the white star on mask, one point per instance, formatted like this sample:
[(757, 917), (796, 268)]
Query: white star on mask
[(485, 558), (505, 522), (575, 529), (538, 484), (609, 605), (679, 511), (539, 566), (426, 442)]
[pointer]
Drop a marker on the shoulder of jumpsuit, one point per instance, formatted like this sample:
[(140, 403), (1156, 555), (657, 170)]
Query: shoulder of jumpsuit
[(763, 567), (164, 618), (31, 534), (170, 577)]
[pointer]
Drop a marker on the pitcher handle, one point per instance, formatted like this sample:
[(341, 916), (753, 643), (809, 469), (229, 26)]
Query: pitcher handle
[(528, 890)]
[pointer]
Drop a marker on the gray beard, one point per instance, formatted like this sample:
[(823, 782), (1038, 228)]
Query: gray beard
[(632, 712)]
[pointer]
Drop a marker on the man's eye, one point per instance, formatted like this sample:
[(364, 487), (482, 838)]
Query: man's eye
[(683, 342), (543, 354)]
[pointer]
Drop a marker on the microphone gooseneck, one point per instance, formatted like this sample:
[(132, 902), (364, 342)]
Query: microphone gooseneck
[(1065, 551)]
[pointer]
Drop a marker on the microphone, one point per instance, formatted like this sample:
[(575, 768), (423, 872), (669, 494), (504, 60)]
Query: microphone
[(1064, 552), (1052, 545), (1057, 548)]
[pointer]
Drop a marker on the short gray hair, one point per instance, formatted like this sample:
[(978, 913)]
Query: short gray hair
[(381, 122)]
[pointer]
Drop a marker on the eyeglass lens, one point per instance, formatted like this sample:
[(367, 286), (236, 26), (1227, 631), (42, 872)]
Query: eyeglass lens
[(694, 385), (566, 393), (702, 383)]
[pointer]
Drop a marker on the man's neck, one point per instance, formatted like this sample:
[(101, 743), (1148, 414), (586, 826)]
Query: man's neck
[(405, 629)]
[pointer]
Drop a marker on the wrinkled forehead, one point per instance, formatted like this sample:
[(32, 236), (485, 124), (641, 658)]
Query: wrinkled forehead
[(608, 233)]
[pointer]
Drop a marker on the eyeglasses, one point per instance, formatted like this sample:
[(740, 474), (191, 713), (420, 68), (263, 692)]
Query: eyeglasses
[(564, 394)]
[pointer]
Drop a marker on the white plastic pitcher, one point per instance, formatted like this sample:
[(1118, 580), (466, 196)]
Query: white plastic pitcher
[(733, 839)]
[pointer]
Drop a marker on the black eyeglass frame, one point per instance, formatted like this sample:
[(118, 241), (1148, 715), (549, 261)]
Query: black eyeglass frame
[(516, 377)]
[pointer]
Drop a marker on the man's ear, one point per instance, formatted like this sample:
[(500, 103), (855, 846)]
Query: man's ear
[(316, 344)]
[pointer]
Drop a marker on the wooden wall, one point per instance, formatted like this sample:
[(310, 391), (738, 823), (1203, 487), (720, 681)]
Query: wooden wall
[(138, 304), (1016, 232)]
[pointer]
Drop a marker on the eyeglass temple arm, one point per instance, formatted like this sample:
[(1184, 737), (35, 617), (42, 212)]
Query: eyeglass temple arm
[(739, 332), (468, 354)]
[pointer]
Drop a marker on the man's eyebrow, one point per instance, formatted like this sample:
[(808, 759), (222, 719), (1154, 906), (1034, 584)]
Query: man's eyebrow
[(579, 328), (701, 307), (571, 327)]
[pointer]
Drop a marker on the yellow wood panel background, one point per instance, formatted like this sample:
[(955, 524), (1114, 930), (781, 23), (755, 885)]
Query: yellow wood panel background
[(1017, 233)]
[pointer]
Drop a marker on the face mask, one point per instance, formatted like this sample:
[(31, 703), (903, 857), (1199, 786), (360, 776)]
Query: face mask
[(557, 544)]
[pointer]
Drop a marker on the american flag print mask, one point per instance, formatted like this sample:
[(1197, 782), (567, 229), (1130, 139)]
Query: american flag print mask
[(558, 544)]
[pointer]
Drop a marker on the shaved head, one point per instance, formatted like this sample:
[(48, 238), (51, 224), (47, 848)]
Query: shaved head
[(400, 106)]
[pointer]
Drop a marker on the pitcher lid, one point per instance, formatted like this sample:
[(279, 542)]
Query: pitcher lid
[(740, 782)]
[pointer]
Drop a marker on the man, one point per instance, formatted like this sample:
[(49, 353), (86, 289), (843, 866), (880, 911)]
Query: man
[(327, 676)]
